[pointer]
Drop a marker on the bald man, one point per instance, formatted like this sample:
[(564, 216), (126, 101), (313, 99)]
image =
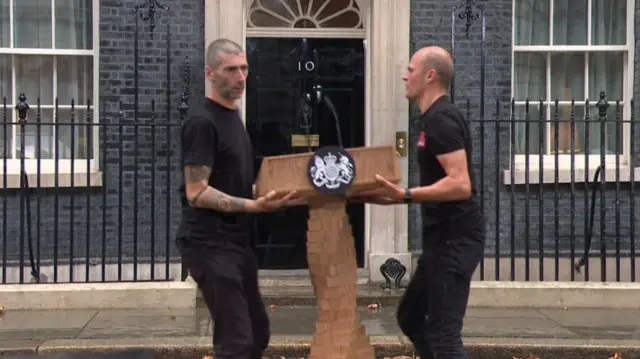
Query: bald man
[(433, 307)]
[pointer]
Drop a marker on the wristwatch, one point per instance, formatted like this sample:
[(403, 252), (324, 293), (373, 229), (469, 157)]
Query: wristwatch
[(407, 195)]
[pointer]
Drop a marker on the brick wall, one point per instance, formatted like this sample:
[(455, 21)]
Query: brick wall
[(117, 26), (431, 25)]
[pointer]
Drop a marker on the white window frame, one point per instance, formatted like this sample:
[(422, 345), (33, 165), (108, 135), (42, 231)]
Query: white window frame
[(564, 160), (48, 166)]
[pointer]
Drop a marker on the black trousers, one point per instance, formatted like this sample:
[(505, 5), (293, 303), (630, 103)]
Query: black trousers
[(227, 275), (433, 307)]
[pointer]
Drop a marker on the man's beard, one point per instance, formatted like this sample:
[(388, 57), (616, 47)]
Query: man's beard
[(227, 91)]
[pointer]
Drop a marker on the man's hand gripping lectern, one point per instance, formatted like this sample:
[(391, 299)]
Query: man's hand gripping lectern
[(324, 177)]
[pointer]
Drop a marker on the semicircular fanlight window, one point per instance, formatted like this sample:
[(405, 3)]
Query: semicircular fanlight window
[(307, 14)]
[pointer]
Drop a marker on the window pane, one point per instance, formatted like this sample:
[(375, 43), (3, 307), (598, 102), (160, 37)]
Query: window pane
[(613, 127), (597, 127), (337, 13), (5, 23), (567, 76), (31, 135), (74, 24), (32, 19), (530, 135), (532, 22), (6, 89), (272, 14), (6, 132), (609, 22), (79, 132), (561, 126), (605, 74), (570, 22), (530, 72), (34, 77), (75, 79)]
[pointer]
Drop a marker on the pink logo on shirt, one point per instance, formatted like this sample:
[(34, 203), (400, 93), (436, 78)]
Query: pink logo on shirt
[(422, 141)]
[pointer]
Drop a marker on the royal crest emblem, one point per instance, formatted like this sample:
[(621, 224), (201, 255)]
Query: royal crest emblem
[(331, 170)]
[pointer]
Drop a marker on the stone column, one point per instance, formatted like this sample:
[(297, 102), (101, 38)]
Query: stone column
[(402, 48), (389, 58)]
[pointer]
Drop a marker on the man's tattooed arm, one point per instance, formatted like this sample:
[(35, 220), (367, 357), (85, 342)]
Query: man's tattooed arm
[(201, 195)]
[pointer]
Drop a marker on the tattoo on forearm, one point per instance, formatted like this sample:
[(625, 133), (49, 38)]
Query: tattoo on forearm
[(209, 197), (214, 199), (195, 198)]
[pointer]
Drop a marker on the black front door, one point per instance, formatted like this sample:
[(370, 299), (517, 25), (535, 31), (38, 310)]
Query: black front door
[(302, 93)]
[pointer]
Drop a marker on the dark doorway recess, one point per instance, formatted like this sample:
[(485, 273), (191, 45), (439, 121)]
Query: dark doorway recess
[(299, 91)]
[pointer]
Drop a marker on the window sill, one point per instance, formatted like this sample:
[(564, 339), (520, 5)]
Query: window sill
[(564, 175), (47, 180)]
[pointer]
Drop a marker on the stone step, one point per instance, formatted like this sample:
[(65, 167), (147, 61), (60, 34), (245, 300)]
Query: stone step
[(293, 288), (285, 347), (298, 278), (304, 296), (489, 333)]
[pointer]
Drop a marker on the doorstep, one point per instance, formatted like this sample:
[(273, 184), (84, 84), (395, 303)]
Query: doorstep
[(303, 296), (293, 288), (284, 347)]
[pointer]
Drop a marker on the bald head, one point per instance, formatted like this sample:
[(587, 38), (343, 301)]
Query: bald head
[(438, 59), (221, 47)]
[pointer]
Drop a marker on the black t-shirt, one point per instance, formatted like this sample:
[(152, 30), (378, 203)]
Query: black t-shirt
[(214, 136), (445, 130)]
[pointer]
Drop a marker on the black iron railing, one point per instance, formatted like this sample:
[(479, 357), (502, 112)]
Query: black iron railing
[(89, 200), (556, 181), (90, 192)]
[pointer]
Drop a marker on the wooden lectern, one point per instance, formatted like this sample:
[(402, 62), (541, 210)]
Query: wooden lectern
[(324, 177)]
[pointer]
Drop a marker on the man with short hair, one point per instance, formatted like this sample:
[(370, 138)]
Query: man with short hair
[(433, 307), (213, 237)]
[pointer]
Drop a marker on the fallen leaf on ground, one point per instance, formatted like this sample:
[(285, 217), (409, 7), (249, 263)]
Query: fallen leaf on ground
[(616, 356)]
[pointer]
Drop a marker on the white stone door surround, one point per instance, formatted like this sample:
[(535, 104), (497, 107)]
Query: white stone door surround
[(386, 30)]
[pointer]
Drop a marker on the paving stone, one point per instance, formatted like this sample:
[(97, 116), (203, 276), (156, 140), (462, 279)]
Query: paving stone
[(26, 329)]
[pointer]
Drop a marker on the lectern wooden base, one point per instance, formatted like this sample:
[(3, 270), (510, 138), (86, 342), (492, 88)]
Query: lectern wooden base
[(332, 263), (324, 177)]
